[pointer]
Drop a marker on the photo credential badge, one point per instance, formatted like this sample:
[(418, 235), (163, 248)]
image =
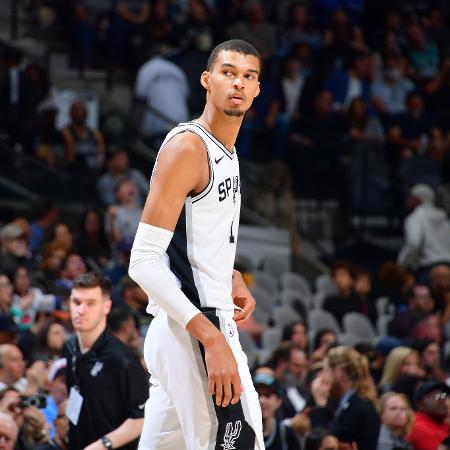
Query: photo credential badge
[(74, 406)]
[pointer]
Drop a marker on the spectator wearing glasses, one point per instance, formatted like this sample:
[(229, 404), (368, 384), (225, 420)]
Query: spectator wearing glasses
[(429, 427), (277, 435)]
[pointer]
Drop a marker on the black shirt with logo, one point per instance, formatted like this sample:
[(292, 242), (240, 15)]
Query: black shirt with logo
[(113, 384)]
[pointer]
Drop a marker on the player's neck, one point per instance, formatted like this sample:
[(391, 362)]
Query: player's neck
[(225, 129)]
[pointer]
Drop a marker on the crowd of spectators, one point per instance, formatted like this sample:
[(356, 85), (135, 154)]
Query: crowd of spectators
[(353, 92), (353, 105), (312, 389), (386, 393)]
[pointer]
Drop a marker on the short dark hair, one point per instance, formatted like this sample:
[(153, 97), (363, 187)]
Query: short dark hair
[(343, 265), (288, 330), (315, 438), (235, 45), (320, 334), (92, 280), (118, 316)]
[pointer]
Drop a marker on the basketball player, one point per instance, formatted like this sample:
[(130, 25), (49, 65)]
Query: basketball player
[(202, 396)]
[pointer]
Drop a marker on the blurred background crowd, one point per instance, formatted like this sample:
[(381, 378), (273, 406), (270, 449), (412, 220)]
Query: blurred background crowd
[(346, 149)]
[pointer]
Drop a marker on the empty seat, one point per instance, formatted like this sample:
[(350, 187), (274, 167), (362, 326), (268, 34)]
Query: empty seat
[(319, 319), (284, 315), (384, 307), (358, 324), (383, 324), (261, 316), (295, 281), (351, 339), (248, 346), (264, 300), (318, 298), (270, 339), (325, 284), (266, 281), (275, 265), (295, 300)]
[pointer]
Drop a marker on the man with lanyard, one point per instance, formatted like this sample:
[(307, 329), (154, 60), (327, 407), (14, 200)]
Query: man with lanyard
[(107, 385)]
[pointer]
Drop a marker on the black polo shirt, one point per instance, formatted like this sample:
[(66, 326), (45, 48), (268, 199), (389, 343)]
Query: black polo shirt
[(113, 384)]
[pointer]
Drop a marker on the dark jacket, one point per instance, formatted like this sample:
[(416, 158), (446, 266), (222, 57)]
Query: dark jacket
[(357, 422), (113, 384)]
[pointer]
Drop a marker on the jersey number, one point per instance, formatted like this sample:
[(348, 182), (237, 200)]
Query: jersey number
[(231, 233)]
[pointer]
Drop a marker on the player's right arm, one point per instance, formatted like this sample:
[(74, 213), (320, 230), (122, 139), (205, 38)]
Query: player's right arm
[(182, 170)]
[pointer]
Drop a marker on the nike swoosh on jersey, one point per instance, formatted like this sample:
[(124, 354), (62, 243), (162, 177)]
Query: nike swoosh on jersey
[(217, 161)]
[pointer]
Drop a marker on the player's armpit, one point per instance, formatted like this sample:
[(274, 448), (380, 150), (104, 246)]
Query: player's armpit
[(182, 168)]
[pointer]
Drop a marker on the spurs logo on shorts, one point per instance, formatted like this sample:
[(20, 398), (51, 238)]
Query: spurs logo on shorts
[(231, 434), (230, 330)]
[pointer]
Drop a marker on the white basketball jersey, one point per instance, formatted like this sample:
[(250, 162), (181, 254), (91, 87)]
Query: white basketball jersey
[(202, 251)]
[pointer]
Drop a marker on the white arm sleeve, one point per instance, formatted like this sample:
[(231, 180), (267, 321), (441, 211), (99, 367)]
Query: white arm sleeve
[(147, 269)]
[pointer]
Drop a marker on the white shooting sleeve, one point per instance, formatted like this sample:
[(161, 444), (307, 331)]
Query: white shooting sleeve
[(147, 269)]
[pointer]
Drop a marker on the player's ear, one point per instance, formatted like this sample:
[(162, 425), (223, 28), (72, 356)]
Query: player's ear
[(204, 79), (258, 90)]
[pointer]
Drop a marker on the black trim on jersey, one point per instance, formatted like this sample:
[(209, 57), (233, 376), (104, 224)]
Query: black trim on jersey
[(230, 434), (179, 261), (208, 188), (213, 139)]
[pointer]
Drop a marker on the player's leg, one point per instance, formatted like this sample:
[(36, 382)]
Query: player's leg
[(161, 430), (178, 361), (174, 356), (249, 402)]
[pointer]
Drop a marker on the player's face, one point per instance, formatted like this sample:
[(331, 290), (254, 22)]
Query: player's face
[(233, 82)]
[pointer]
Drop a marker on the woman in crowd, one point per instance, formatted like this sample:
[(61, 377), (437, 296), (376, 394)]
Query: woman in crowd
[(92, 242), (401, 361), (28, 301), (346, 379), (45, 278), (51, 341), (296, 333), (323, 341), (396, 418)]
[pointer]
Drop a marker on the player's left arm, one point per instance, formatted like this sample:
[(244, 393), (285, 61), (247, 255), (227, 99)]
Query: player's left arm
[(127, 432), (242, 298)]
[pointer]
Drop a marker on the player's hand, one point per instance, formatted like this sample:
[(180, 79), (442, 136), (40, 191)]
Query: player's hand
[(247, 305), (224, 381), (242, 298)]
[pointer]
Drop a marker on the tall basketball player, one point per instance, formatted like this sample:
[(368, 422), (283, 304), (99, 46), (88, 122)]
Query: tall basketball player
[(201, 395)]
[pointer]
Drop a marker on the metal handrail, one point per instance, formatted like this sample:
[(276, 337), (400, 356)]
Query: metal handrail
[(18, 189)]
